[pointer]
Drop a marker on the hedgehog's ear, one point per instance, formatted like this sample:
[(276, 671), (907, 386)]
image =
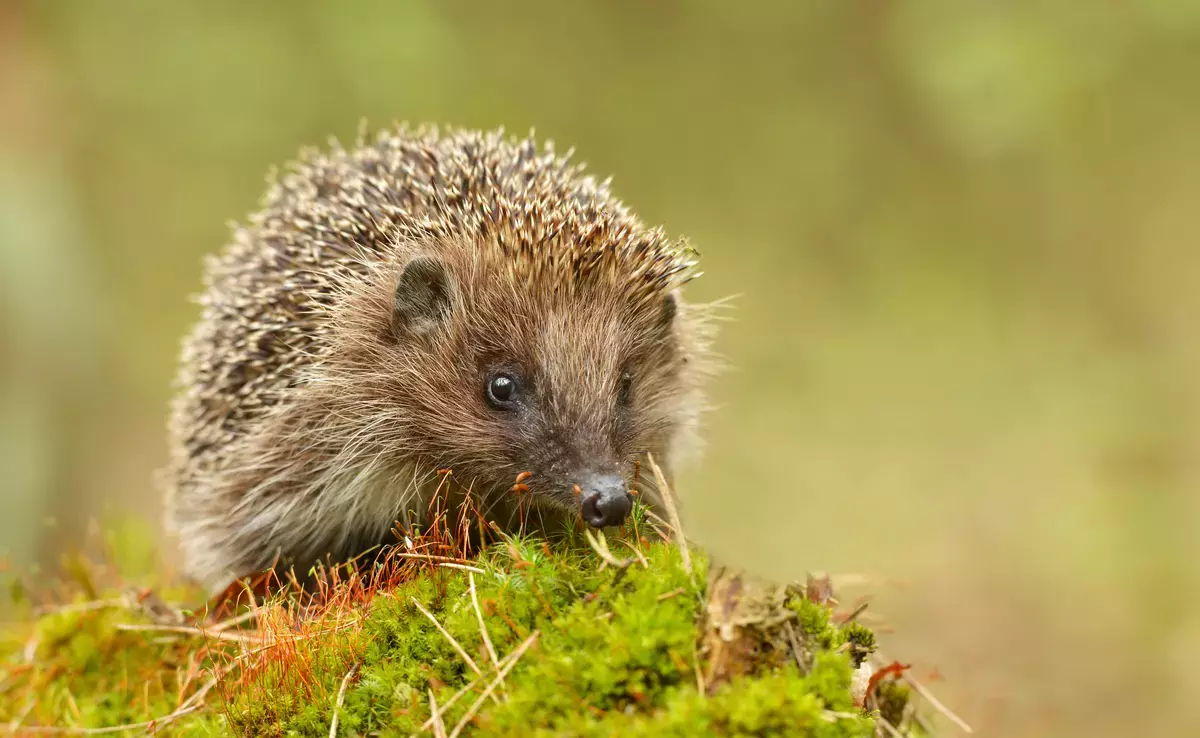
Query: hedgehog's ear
[(423, 298), (666, 315)]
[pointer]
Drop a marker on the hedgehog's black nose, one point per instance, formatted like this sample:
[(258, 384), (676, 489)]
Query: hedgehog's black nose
[(605, 501)]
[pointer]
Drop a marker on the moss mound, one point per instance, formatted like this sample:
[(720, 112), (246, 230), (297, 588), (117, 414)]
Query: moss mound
[(526, 638)]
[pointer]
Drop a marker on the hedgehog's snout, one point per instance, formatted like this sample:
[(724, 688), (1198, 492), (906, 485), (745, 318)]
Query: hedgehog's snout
[(605, 501)]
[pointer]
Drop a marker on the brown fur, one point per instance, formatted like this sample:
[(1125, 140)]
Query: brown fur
[(306, 425)]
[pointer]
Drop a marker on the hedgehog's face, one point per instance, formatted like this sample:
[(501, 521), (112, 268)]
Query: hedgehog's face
[(527, 390)]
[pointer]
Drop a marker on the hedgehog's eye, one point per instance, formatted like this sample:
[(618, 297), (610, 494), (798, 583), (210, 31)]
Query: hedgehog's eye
[(625, 389), (502, 391)]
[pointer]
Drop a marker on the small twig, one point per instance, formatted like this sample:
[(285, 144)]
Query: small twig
[(153, 606), (599, 544), (234, 621), (198, 697), (341, 700), (446, 634), (450, 702), (891, 729), (797, 648), (439, 727), (641, 556), (853, 615), (293, 638), (921, 722), (461, 567), (921, 690), (429, 557), (672, 512), (657, 521), (458, 695), (483, 631), (219, 635), (668, 595), (937, 704), (82, 606), (474, 708)]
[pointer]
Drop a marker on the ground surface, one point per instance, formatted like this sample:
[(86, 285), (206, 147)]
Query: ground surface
[(588, 636)]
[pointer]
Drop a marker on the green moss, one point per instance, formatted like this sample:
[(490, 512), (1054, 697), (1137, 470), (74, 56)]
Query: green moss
[(782, 703), (860, 640), (615, 653), (813, 620), (892, 697), (76, 667)]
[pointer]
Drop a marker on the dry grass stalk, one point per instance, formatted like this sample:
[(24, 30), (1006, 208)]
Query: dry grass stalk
[(922, 690), (341, 700), (483, 631), (234, 621), (219, 635), (672, 512), (82, 606), (797, 649), (891, 729), (599, 544), (636, 552), (437, 716), (854, 614), (658, 524), (430, 557), (445, 634), (670, 595), (474, 708), (439, 727), (461, 567), (937, 704), (458, 695)]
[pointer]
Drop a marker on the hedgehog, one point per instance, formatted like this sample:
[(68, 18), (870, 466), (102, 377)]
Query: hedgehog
[(428, 304)]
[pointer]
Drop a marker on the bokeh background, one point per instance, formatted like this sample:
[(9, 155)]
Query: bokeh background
[(964, 235)]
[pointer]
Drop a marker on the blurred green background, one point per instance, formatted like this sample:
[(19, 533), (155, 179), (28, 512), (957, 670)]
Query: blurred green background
[(964, 236)]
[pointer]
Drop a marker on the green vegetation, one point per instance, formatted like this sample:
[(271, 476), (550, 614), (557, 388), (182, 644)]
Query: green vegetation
[(586, 643)]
